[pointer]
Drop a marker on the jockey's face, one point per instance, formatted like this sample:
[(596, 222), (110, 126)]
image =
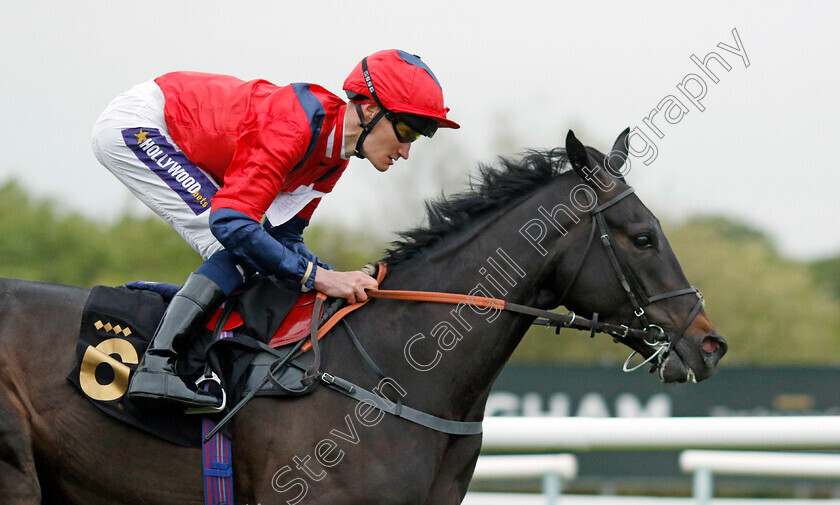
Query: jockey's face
[(381, 146)]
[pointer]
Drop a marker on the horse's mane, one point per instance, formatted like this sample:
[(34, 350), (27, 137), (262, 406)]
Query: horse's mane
[(494, 187)]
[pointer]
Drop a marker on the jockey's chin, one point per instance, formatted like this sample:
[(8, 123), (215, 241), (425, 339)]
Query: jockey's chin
[(384, 160), (382, 164)]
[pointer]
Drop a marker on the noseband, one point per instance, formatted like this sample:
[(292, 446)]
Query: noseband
[(653, 335)]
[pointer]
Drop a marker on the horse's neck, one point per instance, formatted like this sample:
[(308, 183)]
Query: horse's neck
[(458, 351)]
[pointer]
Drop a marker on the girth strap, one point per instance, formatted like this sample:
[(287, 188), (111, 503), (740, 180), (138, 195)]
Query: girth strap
[(312, 374), (409, 414)]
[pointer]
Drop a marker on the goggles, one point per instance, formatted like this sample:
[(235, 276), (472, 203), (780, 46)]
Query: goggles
[(408, 128)]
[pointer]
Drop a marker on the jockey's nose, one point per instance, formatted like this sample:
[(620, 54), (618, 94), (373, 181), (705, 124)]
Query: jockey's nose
[(403, 150)]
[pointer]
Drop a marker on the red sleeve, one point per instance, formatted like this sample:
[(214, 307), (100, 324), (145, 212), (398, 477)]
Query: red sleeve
[(266, 151)]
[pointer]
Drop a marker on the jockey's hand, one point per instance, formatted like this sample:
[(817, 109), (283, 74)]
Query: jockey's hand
[(349, 285)]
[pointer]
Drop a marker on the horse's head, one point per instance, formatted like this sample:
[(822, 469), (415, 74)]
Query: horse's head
[(625, 270)]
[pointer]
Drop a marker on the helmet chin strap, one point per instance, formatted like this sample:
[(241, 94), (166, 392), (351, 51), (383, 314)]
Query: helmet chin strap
[(366, 128)]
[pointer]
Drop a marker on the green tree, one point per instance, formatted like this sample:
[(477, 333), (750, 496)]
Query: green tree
[(341, 248), (768, 306), (827, 274), (39, 243)]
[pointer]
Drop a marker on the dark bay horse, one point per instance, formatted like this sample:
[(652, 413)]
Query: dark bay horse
[(524, 233)]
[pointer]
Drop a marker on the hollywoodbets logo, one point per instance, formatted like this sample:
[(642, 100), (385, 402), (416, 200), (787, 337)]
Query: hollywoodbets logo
[(172, 166)]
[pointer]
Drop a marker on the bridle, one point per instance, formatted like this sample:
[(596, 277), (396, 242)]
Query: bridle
[(657, 338)]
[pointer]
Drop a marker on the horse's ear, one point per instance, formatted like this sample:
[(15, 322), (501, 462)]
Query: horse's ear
[(618, 156), (621, 145), (577, 154)]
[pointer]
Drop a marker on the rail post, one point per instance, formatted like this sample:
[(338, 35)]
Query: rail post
[(703, 486), (552, 488)]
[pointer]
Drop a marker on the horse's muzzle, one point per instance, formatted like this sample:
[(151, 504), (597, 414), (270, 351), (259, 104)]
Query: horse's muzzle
[(694, 359)]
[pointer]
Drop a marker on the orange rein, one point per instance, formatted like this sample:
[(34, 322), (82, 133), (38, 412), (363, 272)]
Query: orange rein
[(417, 296)]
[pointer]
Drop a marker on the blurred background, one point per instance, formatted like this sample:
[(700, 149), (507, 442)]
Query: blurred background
[(745, 189)]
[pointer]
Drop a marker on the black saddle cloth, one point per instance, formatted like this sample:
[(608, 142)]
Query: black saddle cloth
[(118, 324)]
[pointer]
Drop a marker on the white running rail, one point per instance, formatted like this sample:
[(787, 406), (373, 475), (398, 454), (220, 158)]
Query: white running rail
[(553, 469), (520, 434), (704, 464)]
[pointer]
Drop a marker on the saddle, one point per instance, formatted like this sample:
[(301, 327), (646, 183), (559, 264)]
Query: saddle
[(264, 324)]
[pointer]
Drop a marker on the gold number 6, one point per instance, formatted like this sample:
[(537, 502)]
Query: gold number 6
[(95, 356)]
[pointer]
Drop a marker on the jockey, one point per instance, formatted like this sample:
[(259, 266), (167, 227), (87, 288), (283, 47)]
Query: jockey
[(215, 157)]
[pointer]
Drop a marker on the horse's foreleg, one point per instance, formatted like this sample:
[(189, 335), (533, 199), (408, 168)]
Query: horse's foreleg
[(18, 477), (454, 474)]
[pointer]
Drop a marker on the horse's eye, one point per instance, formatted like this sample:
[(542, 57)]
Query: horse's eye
[(643, 241)]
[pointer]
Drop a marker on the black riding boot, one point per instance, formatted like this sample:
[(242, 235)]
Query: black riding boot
[(155, 376)]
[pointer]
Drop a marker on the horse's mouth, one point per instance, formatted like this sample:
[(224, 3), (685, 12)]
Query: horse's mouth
[(693, 361)]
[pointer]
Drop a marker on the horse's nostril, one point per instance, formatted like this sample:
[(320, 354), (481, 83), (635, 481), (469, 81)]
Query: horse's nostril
[(713, 343)]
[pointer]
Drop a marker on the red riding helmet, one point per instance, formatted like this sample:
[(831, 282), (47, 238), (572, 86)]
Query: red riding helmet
[(401, 83)]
